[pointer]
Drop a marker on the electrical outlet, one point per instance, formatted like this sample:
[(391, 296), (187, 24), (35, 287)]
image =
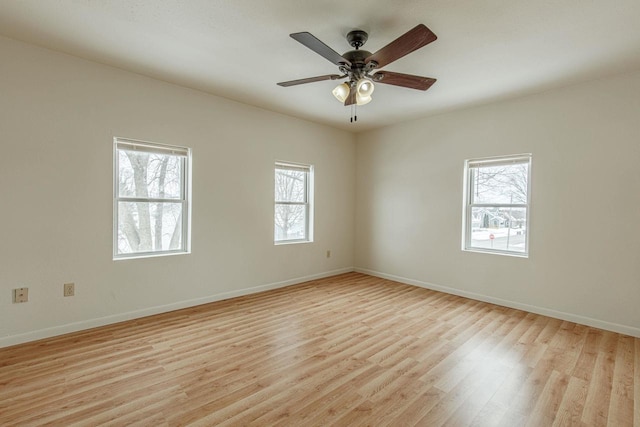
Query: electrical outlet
[(69, 289), (328, 254), (20, 295)]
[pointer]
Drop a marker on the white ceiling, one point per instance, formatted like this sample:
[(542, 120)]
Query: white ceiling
[(240, 49)]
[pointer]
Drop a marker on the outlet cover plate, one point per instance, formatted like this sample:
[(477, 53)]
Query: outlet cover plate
[(20, 295), (69, 289)]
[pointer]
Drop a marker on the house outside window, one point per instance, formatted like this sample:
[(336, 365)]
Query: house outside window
[(496, 205), (293, 195), (151, 199)]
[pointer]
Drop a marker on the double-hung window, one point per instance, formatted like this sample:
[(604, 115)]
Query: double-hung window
[(293, 216), (151, 199), (496, 207)]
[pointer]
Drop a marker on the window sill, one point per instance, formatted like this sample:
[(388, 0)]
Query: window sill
[(291, 242), (490, 252), (149, 255)]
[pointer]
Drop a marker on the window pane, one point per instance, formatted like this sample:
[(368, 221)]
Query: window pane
[(291, 186), (506, 184), (507, 226), (149, 227), (290, 222), (149, 175)]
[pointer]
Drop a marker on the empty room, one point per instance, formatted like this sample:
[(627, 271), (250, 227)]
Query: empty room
[(412, 213)]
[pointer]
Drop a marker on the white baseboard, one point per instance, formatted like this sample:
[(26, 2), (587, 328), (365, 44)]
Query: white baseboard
[(588, 321), (121, 317)]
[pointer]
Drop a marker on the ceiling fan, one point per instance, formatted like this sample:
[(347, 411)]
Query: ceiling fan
[(357, 65)]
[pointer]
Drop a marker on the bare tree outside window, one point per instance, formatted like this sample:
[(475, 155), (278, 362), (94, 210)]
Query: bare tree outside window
[(151, 199), (291, 216), (496, 211), (501, 184)]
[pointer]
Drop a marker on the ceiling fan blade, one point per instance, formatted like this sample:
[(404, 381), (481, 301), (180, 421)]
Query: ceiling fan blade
[(412, 40), (310, 80), (404, 80), (351, 98), (310, 41)]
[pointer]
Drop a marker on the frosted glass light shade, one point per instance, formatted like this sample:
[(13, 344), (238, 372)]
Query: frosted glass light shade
[(362, 100), (365, 88), (341, 92)]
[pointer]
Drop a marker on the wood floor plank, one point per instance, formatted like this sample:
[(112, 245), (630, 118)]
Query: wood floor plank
[(346, 350), (490, 415), (621, 403), (420, 405), (546, 407), (596, 409), (475, 391), (570, 410)]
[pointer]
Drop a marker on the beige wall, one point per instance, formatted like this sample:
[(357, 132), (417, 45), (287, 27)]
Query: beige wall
[(58, 117), (59, 114), (584, 261)]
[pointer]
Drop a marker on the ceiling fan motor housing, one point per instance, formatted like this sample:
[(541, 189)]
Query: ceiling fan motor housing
[(359, 68), (356, 56)]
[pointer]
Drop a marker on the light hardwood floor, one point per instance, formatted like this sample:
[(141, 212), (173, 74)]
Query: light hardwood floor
[(346, 350)]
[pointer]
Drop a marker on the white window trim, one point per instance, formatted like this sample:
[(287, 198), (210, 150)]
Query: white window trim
[(308, 169), (467, 206), (185, 199)]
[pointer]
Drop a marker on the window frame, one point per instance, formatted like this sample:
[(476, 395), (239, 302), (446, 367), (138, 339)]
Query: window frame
[(308, 203), (473, 164), (184, 200)]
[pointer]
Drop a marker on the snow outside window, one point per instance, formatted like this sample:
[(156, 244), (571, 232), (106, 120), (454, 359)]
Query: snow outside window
[(496, 208)]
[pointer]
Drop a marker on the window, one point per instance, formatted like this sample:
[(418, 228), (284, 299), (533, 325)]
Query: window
[(496, 208), (293, 198), (151, 199)]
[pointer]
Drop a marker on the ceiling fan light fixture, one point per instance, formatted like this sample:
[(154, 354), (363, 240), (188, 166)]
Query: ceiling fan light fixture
[(365, 88), (341, 92), (362, 100)]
